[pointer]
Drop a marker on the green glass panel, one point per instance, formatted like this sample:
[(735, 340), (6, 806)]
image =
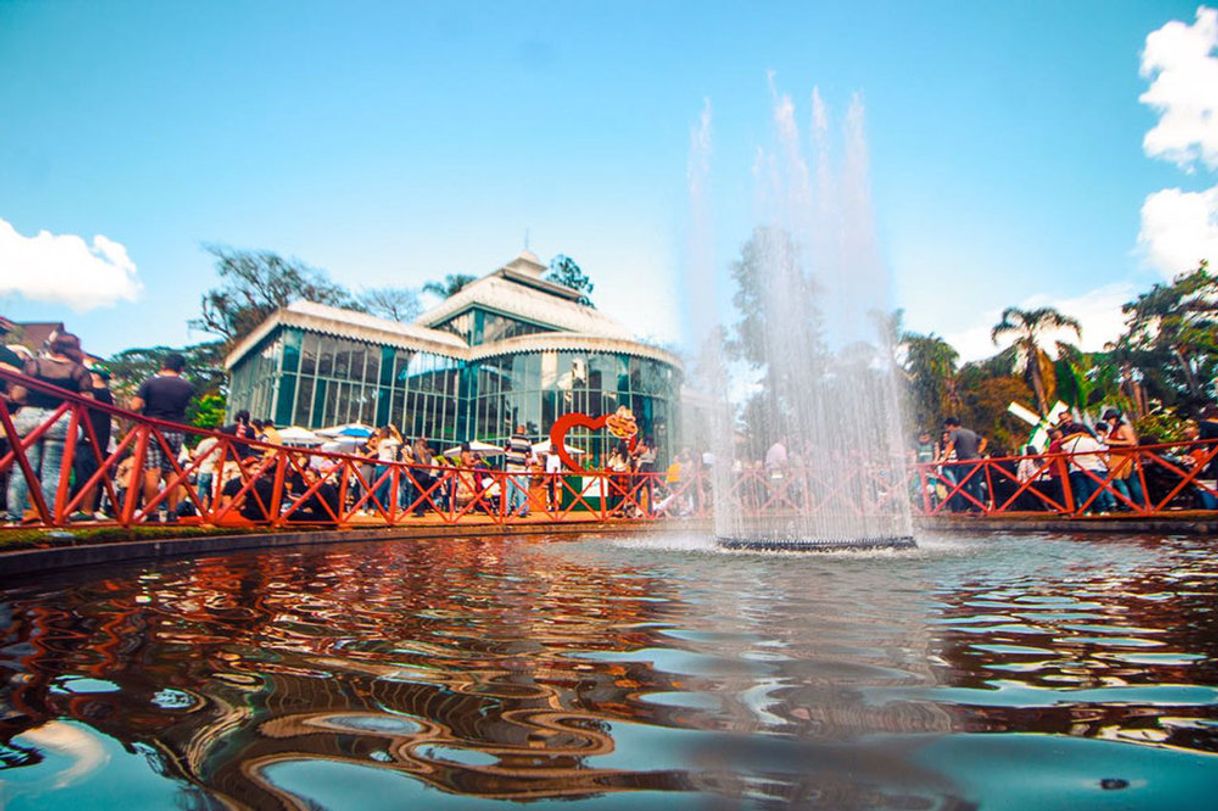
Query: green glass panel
[(388, 354), (286, 401), (291, 350), (479, 326), (319, 405), (304, 402), (382, 406)]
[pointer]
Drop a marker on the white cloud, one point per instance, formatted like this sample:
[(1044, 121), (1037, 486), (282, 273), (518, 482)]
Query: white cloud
[(64, 269), (1179, 229), (1098, 310), (1182, 62)]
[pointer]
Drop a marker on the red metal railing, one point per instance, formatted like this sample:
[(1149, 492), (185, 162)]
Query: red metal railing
[(277, 486), (1157, 479)]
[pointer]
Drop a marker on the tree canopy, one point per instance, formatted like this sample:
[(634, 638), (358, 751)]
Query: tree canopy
[(930, 368), (770, 260), (1029, 329), (399, 304), (253, 284), (1172, 337), (564, 271), (1159, 371), (204, 370), (450, 286)]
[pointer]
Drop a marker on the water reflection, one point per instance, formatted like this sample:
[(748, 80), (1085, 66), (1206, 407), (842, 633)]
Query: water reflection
[(369, 676)]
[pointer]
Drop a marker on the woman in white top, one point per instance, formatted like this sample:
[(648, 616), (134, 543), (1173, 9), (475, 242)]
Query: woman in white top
[(1031, 470), (553, 478), (207, 453), (619, 468), (388, 443), (1088, 467)]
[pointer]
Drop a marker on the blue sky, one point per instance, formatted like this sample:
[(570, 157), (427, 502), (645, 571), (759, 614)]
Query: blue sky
[(394, 143)]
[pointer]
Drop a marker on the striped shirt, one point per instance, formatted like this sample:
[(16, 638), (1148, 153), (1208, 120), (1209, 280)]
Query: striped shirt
[(516, 458)]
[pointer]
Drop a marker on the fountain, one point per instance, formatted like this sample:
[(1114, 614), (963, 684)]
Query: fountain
[(810, 354)]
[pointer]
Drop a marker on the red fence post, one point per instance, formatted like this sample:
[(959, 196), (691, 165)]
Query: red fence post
[(277, 487), (31, 479), (1140, 472), (1067, 490), (135, 482)]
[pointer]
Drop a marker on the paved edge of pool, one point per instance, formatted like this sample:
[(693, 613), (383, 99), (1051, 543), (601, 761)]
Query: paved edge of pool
[(1196, 523), (27, 561)]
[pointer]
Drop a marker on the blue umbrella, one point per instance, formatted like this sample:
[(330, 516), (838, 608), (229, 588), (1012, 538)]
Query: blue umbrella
[(352, 429)]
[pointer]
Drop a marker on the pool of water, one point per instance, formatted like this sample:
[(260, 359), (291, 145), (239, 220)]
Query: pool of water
[(1005, 672)]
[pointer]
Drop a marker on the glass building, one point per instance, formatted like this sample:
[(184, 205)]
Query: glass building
[(508, 349)]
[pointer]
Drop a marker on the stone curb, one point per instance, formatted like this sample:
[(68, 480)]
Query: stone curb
[(27, 561), (1139, 526)]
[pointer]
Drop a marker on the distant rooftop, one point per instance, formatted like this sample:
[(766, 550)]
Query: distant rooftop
[(38, 334), (518, 289), (515, 289)]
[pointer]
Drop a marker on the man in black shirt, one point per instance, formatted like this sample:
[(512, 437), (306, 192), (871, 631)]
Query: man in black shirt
[(244, 432), (968, 445), (256, 502), (164, 397), (88, 456), (314, 509)]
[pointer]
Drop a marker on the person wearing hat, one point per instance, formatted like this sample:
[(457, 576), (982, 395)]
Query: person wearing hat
[(62, 367), (1122, 444)]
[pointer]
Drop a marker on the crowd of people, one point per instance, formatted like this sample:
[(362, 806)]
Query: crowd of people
[(396, 474), (164, 396), (1096, 467), (1092, 467)]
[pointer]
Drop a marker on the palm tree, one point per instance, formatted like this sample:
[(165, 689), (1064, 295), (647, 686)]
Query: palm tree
[(930, 365), (1030, 328), (451, 285)]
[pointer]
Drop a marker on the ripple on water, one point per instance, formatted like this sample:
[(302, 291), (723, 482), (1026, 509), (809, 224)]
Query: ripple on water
[(81, 685), (1110, 641), (384, 723), (1016, 694), (971, 619), (684, 700), (1115, 630), (1011, 650), (672, 660), (1172, 659), (453, 754), (622, 673)]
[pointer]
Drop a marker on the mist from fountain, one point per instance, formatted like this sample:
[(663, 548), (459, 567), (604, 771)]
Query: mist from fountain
[(809, 355)]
